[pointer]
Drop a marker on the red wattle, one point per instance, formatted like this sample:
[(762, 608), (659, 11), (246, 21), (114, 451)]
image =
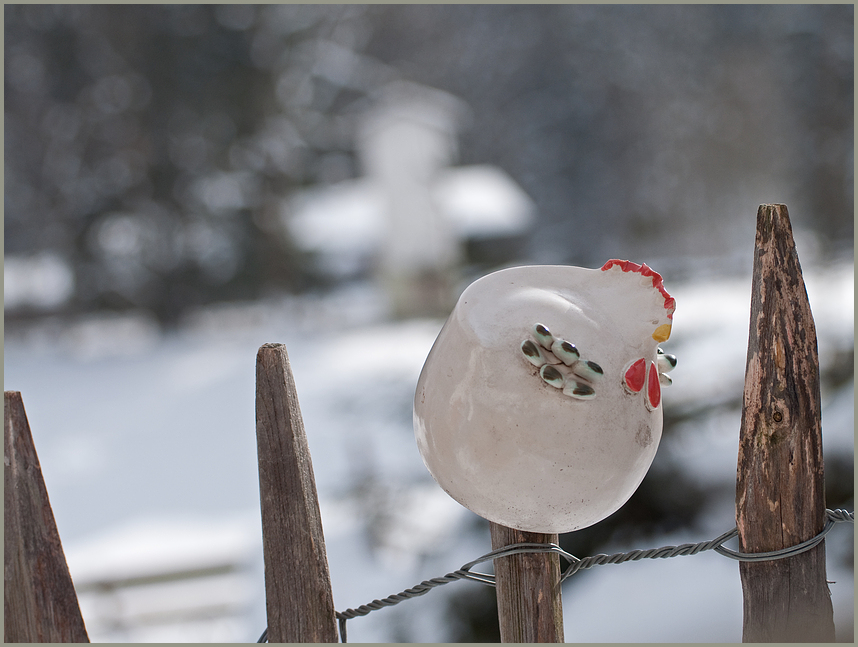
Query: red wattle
[(635, 375), (653, 387)]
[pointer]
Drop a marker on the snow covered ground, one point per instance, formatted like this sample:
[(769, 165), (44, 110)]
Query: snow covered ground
[(148, 449)]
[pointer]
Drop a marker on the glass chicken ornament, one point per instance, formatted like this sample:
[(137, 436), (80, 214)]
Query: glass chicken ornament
[(539, 405)]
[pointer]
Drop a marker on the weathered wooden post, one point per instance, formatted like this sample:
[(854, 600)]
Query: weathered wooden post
[(780, 495), (299, 600), (39, 600), (528, 589)]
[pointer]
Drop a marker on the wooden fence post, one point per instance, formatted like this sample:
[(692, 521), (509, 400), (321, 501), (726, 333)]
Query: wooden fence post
[(528, 589), (299, 600), (39, 600), (780, 494)]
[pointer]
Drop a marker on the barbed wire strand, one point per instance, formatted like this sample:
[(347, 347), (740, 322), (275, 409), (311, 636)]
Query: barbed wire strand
[(575, 564)]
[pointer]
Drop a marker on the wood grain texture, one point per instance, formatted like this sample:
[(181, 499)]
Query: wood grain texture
[(780, 495), (528, 589), (299, 600), (39, 600)]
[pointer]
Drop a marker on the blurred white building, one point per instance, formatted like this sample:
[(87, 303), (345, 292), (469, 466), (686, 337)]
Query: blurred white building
[(409, 218)]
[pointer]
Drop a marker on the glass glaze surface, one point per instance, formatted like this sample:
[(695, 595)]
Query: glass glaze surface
[(539, 405)]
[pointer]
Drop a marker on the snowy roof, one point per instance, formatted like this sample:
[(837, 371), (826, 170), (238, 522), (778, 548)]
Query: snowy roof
[(480, 201)]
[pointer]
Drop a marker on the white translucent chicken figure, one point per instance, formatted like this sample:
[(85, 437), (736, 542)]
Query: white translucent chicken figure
[(539, 405)]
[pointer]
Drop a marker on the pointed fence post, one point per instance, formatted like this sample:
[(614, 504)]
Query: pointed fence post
[(39, 600), (780, 494), (528, 589), (299, 600)]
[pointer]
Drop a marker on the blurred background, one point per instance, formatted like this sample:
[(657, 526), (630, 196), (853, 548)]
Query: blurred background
[(184, 183)]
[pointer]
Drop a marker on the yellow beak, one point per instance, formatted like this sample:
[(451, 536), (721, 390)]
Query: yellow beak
[(662, 333)]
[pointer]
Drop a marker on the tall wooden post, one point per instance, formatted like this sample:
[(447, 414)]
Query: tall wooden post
[(780, 495), (299, 600), (39, 600), (528, 589)]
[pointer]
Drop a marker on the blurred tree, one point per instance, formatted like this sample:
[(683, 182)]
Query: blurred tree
[(144, 147), (151, 146), (652, 131)]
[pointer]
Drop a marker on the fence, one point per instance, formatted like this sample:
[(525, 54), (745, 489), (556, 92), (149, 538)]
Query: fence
[(780, 507)]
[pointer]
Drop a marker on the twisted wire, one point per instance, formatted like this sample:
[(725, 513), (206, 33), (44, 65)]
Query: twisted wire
[(575, 564), (425, 586), (832, 517)]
